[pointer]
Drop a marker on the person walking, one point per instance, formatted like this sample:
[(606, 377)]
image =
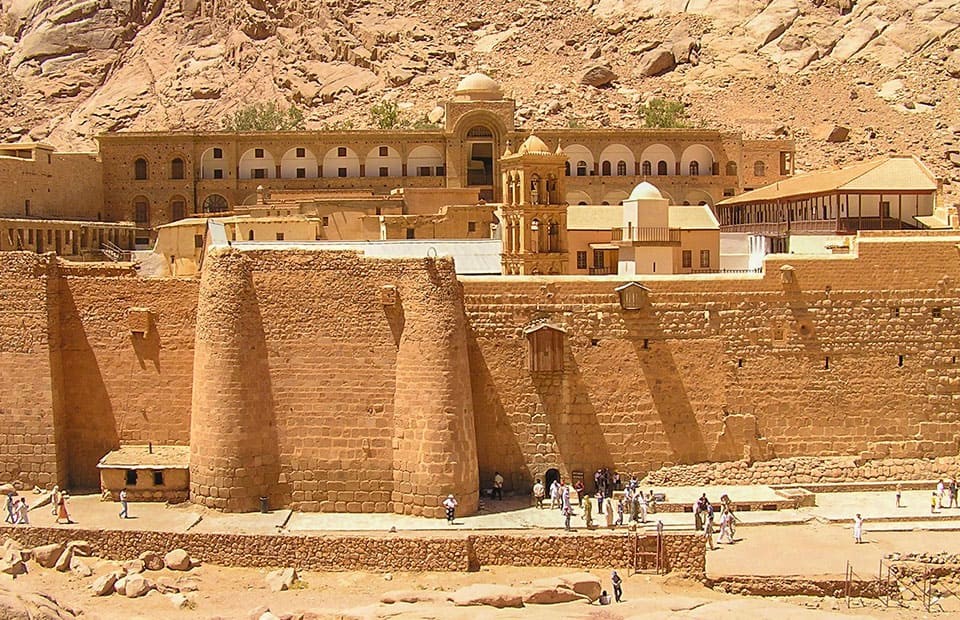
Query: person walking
[(608, 512), (617, 587), (54, 500), (899, 494), (22, 510), (555, 494), (726, 526), (600, 497), (642, 506), (497, 485), (11, 506), (858, 529), (588, 511), (954, 502), (708, 534), (565, 498), (698, 515), (567, 513), (62, 509), (450, 505), (940, 489), (123, 504), (538, 493), (933, 503), (578, 487)]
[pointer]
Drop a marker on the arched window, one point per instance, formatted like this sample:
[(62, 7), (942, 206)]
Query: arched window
[(647, 169), (178, 208), (553, 237), (694, 168), (759, 169), (731, 168), (662, 168), (581, 168), (250, 236), (605, 169), (621, 168), (176, 169), (214, 203), (140, 169), (566, 168)]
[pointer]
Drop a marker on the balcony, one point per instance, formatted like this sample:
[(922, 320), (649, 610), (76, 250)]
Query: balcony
[(640, 235), (609, 270)]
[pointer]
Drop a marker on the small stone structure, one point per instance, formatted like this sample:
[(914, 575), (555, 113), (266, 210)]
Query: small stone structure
[(148, 473)]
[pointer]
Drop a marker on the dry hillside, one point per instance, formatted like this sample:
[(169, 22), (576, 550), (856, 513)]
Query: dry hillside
[(883, 68)]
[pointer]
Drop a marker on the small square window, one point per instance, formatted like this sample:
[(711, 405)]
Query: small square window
[(301, 153), (259, 173), (411, 233), (279, 236), (218, 153), (384, 151), (384, 171), (158, 478), (326, 220), (131, 480), (301, 173), (471, 227), (423, 171), (258, 153), (441, 171), (937, 313), (379, 211), (341, 151), (217, 173), (341, 172)]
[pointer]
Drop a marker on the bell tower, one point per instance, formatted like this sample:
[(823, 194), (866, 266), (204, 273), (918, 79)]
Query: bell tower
[(534, 211)]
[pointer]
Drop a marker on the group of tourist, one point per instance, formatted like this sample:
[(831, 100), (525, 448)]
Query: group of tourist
[(704, 516), (634, 504), (945, 495), (17, 510)]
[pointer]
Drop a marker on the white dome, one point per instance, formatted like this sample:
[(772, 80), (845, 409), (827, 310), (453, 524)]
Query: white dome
[(534, 146), (645, 191), (478, 87)]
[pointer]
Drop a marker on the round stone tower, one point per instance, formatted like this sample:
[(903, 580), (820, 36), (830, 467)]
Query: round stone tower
[(435, 445), (233, 446)]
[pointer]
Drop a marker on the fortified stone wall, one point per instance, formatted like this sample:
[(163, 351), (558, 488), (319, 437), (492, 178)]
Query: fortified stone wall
[(844, 355), (327, 381), (52, 185)]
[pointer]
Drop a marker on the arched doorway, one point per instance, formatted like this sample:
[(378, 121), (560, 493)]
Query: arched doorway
[(480, 158), (552, 474)]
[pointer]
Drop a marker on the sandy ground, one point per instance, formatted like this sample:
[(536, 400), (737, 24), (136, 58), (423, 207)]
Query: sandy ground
[(236, 593)]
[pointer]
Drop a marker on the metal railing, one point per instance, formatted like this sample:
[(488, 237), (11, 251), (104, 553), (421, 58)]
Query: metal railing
[(114, 252), (643, 234)]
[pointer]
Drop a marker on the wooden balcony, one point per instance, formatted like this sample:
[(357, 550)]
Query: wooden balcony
[(639, 236)]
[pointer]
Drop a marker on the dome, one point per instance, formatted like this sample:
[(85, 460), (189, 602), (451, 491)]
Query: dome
[(534, 146), (478, 87), (645, 191)]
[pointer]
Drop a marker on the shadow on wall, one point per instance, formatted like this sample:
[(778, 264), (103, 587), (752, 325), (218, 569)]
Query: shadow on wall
[(678, 420), (572, 417), (498, 440), (261, 387), (147, 347), (91, 425)]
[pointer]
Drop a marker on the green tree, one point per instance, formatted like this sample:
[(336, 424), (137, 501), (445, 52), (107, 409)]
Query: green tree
[(386, 115), (264, 117), (663, 114)]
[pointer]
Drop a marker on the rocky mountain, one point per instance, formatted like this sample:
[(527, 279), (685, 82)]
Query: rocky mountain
[(886, 70)]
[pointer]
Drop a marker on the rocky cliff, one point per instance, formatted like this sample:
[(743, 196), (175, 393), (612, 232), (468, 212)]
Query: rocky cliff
[(883, 69)]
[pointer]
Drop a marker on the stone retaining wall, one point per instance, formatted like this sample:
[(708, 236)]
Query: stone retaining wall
[(382, 552), (793, 586), (799, 470)]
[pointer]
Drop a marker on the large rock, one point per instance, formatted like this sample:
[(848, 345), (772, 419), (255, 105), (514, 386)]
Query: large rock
[(413, 596), (137, 585), (582, 583), (80, 547), (656, 62), (830, 133), (34, 606), (80, 568), (178, 559), (773, 21), (952, 64), (12, 562), (133, 567), (179, 601), (282, 579), (549, 595), (63, 562), (488, 594), (598, 76), (151, 560), (47, 555), (104, 584)]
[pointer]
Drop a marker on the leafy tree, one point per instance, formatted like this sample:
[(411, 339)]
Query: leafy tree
[(386, 115), (663, 114), (264, 117)]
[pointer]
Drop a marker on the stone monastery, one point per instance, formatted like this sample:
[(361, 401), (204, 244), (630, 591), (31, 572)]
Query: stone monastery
[(325, 377)]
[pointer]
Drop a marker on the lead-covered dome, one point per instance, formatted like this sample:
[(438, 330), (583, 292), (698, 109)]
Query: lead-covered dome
[(534, 146), (478, 87)]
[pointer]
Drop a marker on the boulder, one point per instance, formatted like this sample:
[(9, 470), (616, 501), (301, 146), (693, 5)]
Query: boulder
[(37, 606), (137, 585), (830, 133), (283, 579), (178, 559), (80, 547), (682, 49), (413, 596), (582, 583), (104, 584), (63, 562), (773, 21), (491, 595), (151, 560), (120, 585), (133, 567), (47, 555), (179, 601), (952, 64), (79, 568), (655, 62), (598, 76), (13, 562), (549, 595)]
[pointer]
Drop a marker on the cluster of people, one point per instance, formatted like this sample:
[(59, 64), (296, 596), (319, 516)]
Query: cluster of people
[(17, 510), (945, 496), (633, 505), (704, 517)]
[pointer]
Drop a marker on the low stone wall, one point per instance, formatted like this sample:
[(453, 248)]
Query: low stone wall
[(799, 470), (385, 552), (794, 586)]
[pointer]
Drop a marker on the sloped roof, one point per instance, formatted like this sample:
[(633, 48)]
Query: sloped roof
[(885, 174), (692, 217)]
